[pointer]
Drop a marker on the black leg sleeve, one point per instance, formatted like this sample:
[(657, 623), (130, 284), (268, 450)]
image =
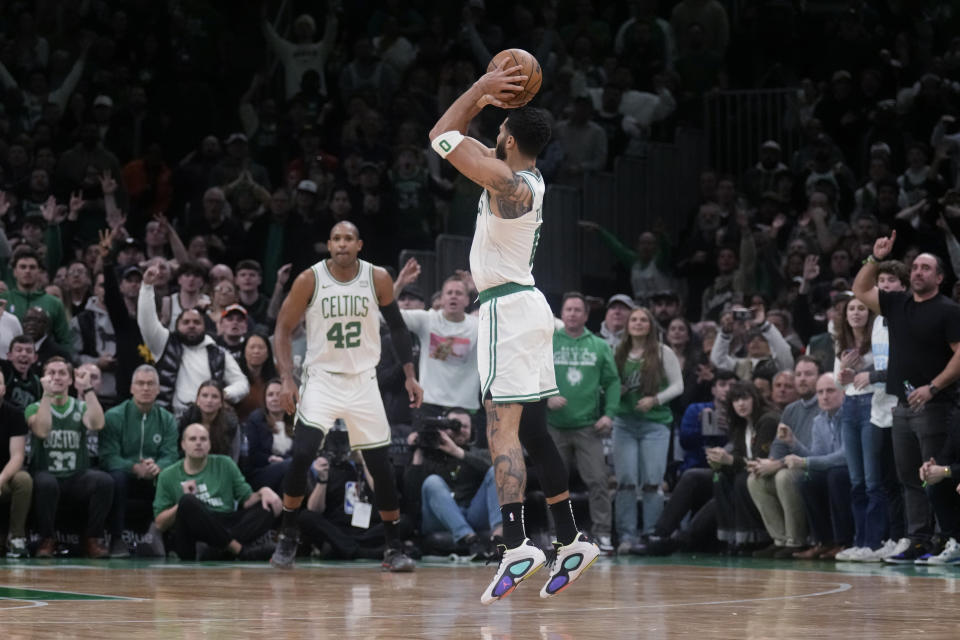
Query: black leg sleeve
[(307, 441), (384, 483), (544, 455)]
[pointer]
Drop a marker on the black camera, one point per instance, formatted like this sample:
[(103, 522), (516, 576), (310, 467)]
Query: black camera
[(336, 447), (428, 436)]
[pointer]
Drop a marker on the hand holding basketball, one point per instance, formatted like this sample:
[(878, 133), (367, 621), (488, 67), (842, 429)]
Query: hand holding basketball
[(500, 85), (526, 81)]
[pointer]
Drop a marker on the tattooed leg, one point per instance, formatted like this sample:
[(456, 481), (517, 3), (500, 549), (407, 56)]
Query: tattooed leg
[(510, 473)]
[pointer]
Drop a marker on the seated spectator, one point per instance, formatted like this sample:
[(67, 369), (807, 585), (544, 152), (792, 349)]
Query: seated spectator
[(705, 424), (21, 373), (257, 364), (232, 329), (783, 391), (826, 482), (763, 343), (138, 441), (224, 295), (95, 340), (186, 356), (28, 293), (60, 461), (36, 325), (753, 426), (204, 499), (16, 485), (269, 433), (941, 476), (455, 483), (10, 327), (773, 486), (219, 418)]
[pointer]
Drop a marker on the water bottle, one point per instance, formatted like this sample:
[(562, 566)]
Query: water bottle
[(909, 388)]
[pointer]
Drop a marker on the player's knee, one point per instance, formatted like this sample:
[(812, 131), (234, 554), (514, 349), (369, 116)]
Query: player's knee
[(306, 444)]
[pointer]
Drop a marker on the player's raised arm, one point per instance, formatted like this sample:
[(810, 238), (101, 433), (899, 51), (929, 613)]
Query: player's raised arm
[(292, 310)]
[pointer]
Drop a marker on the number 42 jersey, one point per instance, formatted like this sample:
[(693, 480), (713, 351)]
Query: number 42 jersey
[(343, 322)]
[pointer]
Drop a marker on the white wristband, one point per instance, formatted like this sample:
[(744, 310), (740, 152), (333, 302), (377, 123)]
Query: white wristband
[(446, 142)]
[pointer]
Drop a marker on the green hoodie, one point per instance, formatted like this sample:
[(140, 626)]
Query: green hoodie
[(130, 436), (584, 366), (18, 302)]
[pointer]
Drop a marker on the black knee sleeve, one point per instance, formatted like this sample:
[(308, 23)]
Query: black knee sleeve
[(384, 484), (306, 444), (543, 451)]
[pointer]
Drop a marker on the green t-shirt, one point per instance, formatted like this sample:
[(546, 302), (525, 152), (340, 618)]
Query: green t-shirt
[(64, 451), (630, 395), (220, 485)]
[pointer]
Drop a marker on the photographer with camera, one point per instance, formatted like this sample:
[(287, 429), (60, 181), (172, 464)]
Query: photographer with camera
[(455, 483), (339, 520), (761, 338)]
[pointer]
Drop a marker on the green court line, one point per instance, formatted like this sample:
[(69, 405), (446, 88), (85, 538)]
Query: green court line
[(22, 593)]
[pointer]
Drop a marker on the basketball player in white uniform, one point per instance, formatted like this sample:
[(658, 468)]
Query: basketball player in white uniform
[(342, 298), (515, 346)]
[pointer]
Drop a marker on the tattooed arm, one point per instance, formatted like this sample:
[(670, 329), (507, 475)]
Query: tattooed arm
[(510, 195)]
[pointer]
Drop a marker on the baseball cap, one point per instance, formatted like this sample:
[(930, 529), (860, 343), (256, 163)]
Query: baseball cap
[(130, 243), (103, 101), (369, 166), (771, 144), (236, 137), (307, 185), (412, 291), (131, 270), (623, 299), (668, 294), (233, 308)]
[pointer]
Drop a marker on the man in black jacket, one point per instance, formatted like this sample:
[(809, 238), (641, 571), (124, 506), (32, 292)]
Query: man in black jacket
[(455, 483)]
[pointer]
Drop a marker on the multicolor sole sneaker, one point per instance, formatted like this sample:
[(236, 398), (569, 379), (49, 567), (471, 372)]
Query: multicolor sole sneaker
[(516, 565), (571, 561)]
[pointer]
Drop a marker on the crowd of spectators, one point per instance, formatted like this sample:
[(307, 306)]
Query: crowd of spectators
[(165, 168)]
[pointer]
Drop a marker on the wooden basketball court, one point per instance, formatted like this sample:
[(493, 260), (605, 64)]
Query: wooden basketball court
[(682, 596)]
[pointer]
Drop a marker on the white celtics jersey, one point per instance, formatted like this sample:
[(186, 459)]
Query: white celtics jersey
[(343, 322), (503, 250)]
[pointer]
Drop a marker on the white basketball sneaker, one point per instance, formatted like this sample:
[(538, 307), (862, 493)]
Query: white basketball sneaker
[(572, 560), (516, 565)]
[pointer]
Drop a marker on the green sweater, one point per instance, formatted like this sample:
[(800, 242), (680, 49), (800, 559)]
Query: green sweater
[(584, 367), (18, 302), (130, 436), (631, 395), (220, 485)]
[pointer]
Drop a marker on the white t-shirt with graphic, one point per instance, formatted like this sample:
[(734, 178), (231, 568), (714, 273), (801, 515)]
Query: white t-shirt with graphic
[(448, 358)]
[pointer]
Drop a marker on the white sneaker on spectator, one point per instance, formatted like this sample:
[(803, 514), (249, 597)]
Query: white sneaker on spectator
[(891, 548), (949, 555), (606, 546), (848, 554), (867, 554)]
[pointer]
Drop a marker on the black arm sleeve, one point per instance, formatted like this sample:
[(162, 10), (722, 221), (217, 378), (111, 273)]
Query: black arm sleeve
[(399, 333)]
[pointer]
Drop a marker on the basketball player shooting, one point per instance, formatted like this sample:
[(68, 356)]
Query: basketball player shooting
[(339, 297), (515, 345)]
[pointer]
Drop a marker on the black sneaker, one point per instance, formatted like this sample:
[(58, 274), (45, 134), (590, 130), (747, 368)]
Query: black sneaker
[(396, 561), (285, 553), (257, 552), (767, 552), (478, 549), (910, 556)]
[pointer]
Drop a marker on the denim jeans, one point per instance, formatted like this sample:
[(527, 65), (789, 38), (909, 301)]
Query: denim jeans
[(639, 455), (440, 512), (863, 446)]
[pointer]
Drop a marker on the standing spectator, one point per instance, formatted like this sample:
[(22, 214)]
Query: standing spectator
[(139, 440), (303, 54), (614, 322), (191, 277), (16, 485), (10, 327), (60, 461), (651, 377), (924, 364), (232, 330), (120, 291), (269, 433), (774, 487), (763, 343), (584, 143), (95, 341), (249, 278), (204, 498), (710, 15), (582, 414), (185, 357), (28, 292), (649, 264)]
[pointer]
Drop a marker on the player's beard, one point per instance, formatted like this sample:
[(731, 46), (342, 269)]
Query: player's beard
[(500, 152), (190, 340)]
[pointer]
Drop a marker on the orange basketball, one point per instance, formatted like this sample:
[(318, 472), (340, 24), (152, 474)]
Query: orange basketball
[(530, 68)]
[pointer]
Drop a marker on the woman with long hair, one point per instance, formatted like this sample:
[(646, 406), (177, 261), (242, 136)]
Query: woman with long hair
[(269, 432), (753, 427), (862, 441), (651, 377), (257, 364), (212, 411)]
